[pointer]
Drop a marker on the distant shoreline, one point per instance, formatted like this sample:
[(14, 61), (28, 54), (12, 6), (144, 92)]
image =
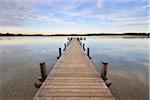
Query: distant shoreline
[(90, 34)]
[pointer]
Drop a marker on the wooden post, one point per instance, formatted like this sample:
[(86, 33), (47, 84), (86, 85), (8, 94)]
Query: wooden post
[(104, 70), (67, 43), (88, 53), (108, 83), (83, 46), (43, 71), (59, 53), (80, 38), (80, 42), (70, 40), (64, 46), (38, 83)]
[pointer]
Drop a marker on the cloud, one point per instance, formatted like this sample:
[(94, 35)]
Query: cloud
[(17, 12), (69, 13), (125, 16), (14, 12), (125, 1), (100, 3), (131, 21)]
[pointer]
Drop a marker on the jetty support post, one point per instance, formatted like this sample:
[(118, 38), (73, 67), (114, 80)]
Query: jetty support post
[(83, 46), (59, 53), (80, 42), (88, 53), (41, 79), (108, 83), (65, 46), (103, 73), (78, 39), (104, 70), (70, 40), (43, 71)]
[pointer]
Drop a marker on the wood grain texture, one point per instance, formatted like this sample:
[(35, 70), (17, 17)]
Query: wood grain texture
[(74, 78)]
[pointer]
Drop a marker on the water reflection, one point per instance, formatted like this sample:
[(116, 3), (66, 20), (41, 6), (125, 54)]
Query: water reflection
[(20, 56), (128, 65), (19, 64)]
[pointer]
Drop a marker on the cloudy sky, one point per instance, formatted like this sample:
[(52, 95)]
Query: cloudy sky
[(73, 16)]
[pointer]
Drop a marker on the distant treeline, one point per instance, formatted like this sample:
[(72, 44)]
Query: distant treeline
[(10, 34), (90, 34)]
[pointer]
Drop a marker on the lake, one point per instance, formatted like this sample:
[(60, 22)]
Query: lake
[(128, 64)]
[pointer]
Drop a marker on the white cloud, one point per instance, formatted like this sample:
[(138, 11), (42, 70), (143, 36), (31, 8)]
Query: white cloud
[(67, 12), (132, 21), (124, 1), (14, 12), (100, 3), (116, 14)]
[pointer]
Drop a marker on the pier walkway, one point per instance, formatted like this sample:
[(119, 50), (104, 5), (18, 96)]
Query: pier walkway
[(73, 78)]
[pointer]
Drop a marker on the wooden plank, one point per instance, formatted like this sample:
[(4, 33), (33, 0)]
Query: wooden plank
[(81, 90), (48, 93), (76, 86), (86, 78), (73, 75), (74, 83), (74, 98), (74, 78)]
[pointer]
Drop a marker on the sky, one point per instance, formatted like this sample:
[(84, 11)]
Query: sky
[(73, 16)]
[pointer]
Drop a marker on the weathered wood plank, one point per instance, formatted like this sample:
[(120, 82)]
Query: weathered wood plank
[(48, 93), (81, 90), (76, 86), (74, 78), (74, 98)]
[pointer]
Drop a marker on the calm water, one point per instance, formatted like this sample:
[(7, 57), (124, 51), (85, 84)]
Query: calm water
[(127, 58)]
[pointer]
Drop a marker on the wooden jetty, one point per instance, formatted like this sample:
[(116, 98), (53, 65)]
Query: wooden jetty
[(74, 78)]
